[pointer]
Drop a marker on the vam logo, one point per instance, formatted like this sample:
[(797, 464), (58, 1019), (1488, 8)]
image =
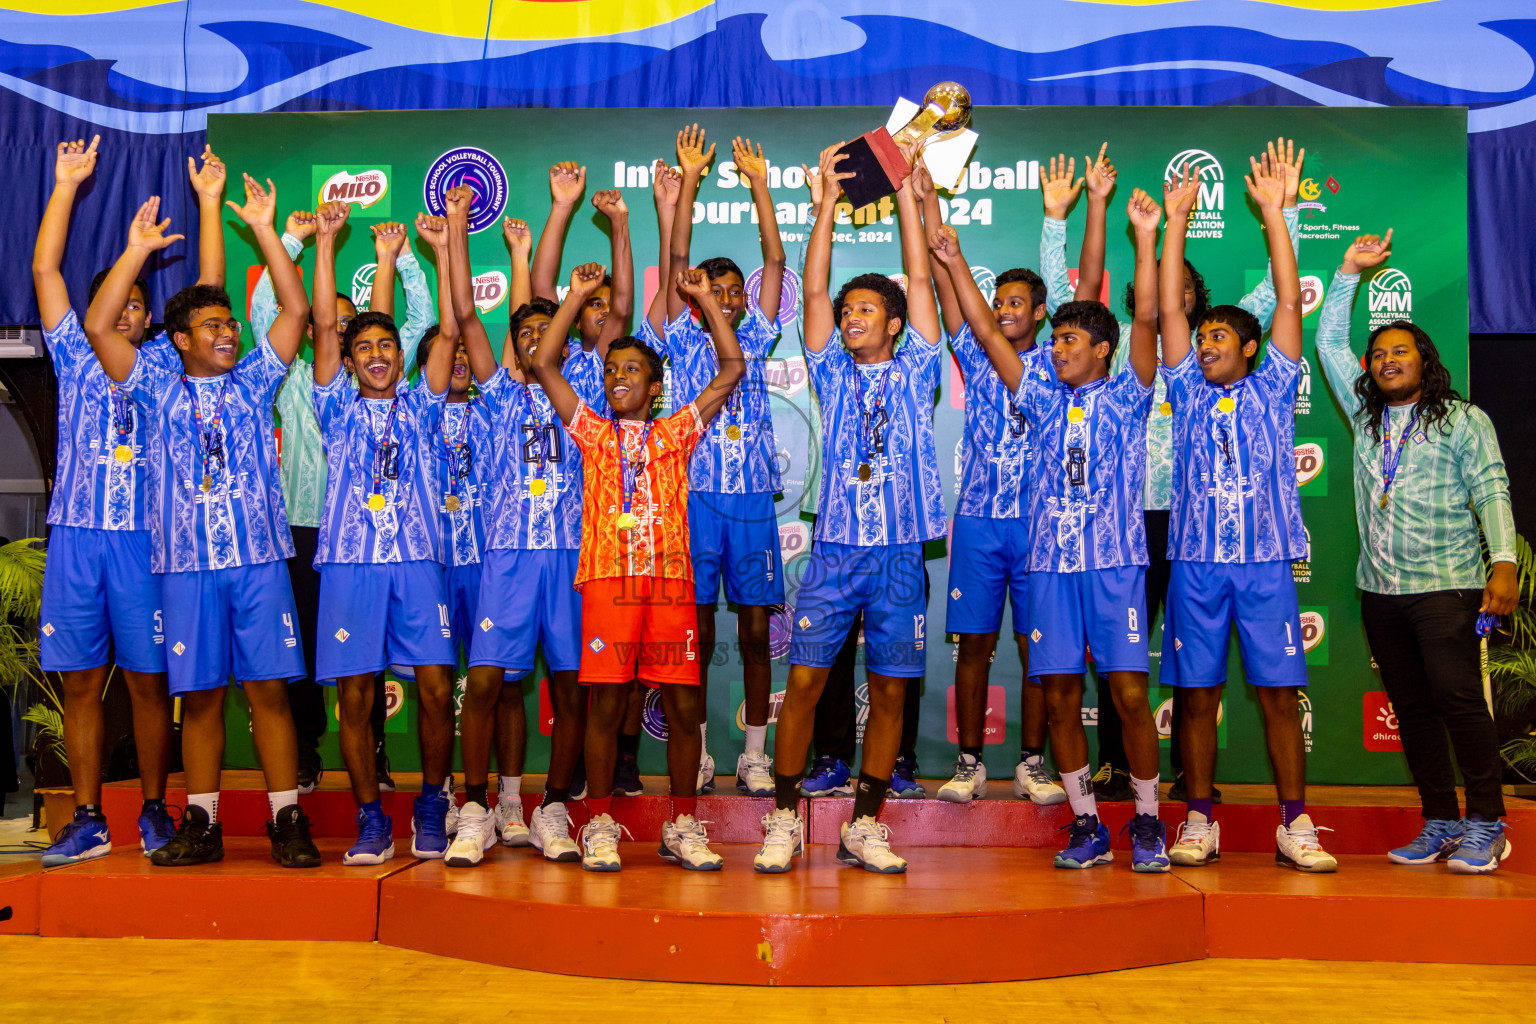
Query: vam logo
[(1390, 297), (1304, 388), (362, 285), (1313, 629), (1304, 709), (1309, 462), (986, 281), (1301, 569), (1206, 220), (490, 290)]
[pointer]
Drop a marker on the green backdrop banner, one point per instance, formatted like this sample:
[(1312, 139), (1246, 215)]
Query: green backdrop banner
[(1366, 170)]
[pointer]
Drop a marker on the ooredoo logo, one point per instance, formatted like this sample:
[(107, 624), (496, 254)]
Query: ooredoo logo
[(1390, 297), (1309, 462), (362, 285), (1313, 628), (466, 165), (1379, 720), (789, 293), (367, 189), (490, 290), (1206, 220), (794, 540)]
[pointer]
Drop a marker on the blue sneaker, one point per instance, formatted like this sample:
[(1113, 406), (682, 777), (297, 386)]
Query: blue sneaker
[(1087, 843), (83, 838), (155, 828), (429, 825), (375, 839), (904, 784), (1483, 845), (1149, 843), (828, 777), (1437, 841)]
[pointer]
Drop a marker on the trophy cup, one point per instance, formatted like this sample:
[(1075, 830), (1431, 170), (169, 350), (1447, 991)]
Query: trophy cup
[(875, 158)]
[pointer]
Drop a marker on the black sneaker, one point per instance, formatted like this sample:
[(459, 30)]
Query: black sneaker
[(578, 788), (381, 768), (310, 768), (626, 776), (197, 841), (1177, 795), (1112, 785), (291, 845)]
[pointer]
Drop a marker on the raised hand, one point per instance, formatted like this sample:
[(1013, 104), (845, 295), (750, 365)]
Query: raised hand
[(388, 239), (694, 283), (691, 154), (1143, 211), (1284, 154), (753, 166), (1367, 251), (432, 230), (567, 182), (1060, 187), (148, 234), (1180, 194), (945, 244), (1266, 183), (260, 203), (921, 180), (587, 279), (1099, 174), (830, 177), (74, 162), (207, 181), (813, 182), (457, 201), (329, 218), (667, 182), (610, 203), (518, 235), (300, 224)]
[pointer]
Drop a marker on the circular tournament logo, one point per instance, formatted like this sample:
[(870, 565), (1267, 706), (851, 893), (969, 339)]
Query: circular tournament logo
[(466, 165), (780, 631), (652, 717), (789, 293)]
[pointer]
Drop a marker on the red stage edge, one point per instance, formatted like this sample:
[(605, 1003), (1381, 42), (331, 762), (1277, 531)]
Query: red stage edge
[(20, 897)]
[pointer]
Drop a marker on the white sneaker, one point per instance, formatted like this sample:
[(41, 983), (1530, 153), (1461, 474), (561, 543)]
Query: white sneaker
[(706, 784), (600, 843), (970, 782), (1197, 842), (1032, 781), (754, 774), (451, 823), (866, 843), (509, 822), (685, 842), (783, 841), (476, 834), (1297, 847), (549, 831)]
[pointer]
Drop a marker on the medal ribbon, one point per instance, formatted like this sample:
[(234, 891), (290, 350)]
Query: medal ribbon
[(458, 452), (122, 415), (629, 471), (868, 417), (1234, 394), (205, 441), (540, 438), (381, 446), (1390, 457)]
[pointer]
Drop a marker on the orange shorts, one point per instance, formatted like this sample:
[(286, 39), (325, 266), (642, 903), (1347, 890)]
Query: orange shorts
[(639, 627)]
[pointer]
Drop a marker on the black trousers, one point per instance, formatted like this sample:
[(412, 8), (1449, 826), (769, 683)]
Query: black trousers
[(306, 697), (1427, 648), (1111, 735)]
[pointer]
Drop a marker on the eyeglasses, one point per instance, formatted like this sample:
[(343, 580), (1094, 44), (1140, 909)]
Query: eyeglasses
[(342, 321), (217, 325)]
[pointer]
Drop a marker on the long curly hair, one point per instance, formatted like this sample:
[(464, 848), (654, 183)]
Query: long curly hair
[(1436, 395)]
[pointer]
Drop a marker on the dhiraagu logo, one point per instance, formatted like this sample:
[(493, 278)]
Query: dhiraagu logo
[(366, 188)]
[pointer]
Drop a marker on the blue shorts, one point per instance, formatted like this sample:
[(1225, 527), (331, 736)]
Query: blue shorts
[(1206, 599), (1100, 611), (886, 584), (988, 561), (528, 598), (238, 622), (371, 615), (97, 587), (735, 536), (461, 586)]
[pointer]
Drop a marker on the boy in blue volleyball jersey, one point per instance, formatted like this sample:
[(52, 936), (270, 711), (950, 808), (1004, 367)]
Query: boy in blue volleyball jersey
[(98, 586), (881, 499), (1088, 554), (379, 551), (734, 474), (221, 531), (606, 315), (1235, 525)]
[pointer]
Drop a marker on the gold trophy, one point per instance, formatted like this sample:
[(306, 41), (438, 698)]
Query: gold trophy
[(875, 158)]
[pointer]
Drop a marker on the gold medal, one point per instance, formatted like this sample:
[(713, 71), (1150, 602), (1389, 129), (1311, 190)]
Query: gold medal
[(207, 482), (864, 473), (1225, 404), (626, 520), (1166, 408), (1075, 414), (376, 502), (733, 432), (451, 503), (122, 453), (536, 486), (1384, 499)]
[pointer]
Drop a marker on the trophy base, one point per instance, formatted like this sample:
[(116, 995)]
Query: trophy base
[(878, 167)]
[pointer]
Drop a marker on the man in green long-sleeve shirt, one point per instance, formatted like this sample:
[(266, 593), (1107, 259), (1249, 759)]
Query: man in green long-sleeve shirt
[(1427, 470)]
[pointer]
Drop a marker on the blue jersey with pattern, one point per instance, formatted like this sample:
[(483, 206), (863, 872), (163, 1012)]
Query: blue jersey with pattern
[(92, 488), (996, 452), (1086, 479), (722, 464), (902, 502), (463, 447), (1234, 464), (529, 442), (367, 454), (240, 519)]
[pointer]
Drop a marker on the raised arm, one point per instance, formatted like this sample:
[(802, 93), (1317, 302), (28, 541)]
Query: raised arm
[(945, 244), (754, 167), (694, 160), (258, 213), (439, 366), (388, 239), (1261, 300), (329, 220), (453, 281), (519, 245), (1266, 183), (933, 216), (1178, 199), (585, 280), (299, 226), (113, 349), (73, 164), (922, 310), (820, 318), (567, 183), (208, 183), (1145, 216), (695, 284), (1099, 178), (1341, 366), (666, 183), (621, 301)]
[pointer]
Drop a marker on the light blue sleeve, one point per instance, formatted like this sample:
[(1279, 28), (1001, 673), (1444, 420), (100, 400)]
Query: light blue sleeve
[(1341, 367), (1261, 301), (1053, 264), (420, 309), (263, 299)]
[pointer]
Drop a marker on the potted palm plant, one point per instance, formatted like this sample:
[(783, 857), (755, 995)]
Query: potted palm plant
[(1512, 668)]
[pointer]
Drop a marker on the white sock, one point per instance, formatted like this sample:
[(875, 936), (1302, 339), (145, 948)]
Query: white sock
[(1079, 787), (208, 802), (1146, 795), (280, 799), (509, 787), (448, 785), (757, 740)]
